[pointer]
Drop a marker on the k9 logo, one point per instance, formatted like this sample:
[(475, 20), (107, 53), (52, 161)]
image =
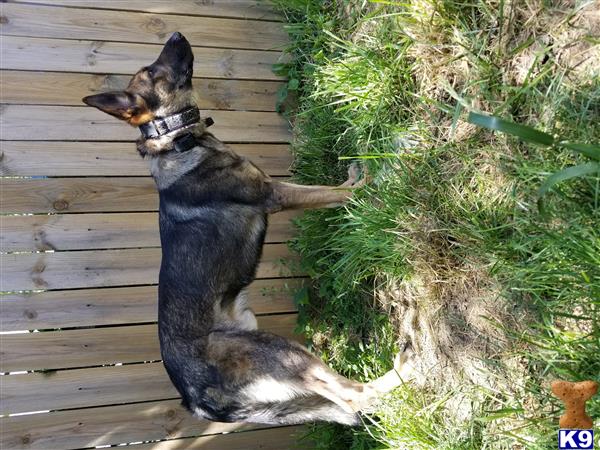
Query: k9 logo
[(575, 439)]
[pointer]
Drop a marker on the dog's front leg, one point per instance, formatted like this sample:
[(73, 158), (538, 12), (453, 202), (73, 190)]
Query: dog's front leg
[(296, 196)]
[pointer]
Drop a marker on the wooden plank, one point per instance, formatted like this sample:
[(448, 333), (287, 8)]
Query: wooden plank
[(103, 231), (269, 439), (66, 123), (23, 53), (124, 26), (56, 195), (70, 195), (79, 388), (101, 346), (100, 268), (106, 425), (42, 158), (120, 306), (243, 9), (60, 88)]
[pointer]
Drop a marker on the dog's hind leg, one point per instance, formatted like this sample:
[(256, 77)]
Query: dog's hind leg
[(275, 377), (296, 196), (353, 396)]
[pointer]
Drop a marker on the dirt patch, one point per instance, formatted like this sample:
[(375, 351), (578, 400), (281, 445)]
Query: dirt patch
[(569, 40), (452, 323), (456, 326)]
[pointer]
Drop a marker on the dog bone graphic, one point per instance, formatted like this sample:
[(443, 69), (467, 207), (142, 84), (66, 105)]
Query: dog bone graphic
[(574, 396)]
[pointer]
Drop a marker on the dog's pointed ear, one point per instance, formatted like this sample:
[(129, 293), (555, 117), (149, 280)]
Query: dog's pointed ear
[(123, 105)]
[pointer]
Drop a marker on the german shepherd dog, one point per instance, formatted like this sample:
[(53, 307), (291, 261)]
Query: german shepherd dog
[(213, 217)]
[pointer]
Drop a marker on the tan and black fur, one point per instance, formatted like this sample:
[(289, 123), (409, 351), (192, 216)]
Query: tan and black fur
[(213, 218)]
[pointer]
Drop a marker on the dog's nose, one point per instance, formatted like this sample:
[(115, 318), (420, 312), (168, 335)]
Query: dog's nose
[(175, 37)]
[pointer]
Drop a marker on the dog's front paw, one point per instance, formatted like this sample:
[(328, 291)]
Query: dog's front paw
[(354, 175), (404, 363)]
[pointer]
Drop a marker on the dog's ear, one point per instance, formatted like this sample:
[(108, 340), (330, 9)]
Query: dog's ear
[(123, 105)]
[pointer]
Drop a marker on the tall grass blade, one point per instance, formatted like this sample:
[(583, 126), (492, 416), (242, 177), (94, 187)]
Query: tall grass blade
[(590, 150), (523, 132), (566, 174)]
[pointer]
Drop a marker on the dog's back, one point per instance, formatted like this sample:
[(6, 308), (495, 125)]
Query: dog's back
[(212, 228)]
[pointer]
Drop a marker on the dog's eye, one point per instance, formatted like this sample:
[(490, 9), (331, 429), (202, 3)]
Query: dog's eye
[(150, 72)]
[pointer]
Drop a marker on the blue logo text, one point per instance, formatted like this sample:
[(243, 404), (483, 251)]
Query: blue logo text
[(575, 439)]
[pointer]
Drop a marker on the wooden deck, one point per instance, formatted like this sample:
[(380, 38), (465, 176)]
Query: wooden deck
[(79, 240)]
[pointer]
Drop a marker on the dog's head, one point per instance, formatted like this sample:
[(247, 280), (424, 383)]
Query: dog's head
[(158, 90)]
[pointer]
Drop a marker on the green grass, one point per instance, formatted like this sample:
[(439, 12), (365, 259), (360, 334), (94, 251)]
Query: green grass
[(390, 84)]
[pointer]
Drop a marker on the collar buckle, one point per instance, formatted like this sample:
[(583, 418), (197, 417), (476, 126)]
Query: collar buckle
[(184, 143)]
